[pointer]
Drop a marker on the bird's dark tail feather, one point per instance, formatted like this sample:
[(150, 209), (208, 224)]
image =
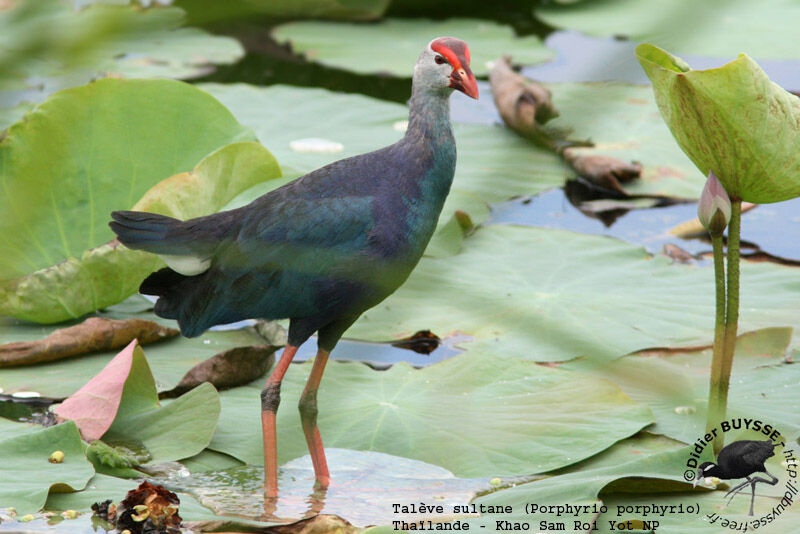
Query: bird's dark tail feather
[(181, 298), (154, 233)]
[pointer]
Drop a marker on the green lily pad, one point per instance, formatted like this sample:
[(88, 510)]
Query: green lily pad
[(732, 120), (761, 387), (655, 459), (623, 122), (125, 136), (208, 460), (712, 28), (179, 429), (402, 41), (473, 415), (711, 502), (494, 164), (28, 475), (557, 295)]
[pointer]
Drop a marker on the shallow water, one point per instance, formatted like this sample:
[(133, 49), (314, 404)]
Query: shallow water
[(773, 228)]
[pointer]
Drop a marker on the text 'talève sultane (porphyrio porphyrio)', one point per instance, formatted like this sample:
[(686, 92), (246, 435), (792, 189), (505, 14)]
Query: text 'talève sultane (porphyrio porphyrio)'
[(320, 250)]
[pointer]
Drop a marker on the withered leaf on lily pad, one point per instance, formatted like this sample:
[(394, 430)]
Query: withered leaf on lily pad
[(228, 369), (95, 334), (524, 105), (732, 120), (603, 170)]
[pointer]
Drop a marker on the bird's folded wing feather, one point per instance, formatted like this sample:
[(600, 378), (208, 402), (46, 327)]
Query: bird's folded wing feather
[(320, 234)]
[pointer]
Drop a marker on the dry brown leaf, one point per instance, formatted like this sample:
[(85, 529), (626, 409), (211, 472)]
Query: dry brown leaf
[(228, 369), (95, 334), (677, 253), (601, 170), (524, 105)]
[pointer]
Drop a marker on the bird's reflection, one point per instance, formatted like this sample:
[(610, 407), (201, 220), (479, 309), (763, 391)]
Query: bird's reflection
[(281, 509)]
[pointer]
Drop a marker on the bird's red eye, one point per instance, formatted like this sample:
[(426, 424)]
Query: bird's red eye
[(440, 60)]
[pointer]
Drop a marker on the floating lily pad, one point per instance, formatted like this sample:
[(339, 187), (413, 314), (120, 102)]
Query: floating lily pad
[(125, 136), (557, 295), (342, 45), (714, 28), (710, 503), (28, 475), (178, 429), (623, 122), (761, 386), (656, 460), (473, 414)]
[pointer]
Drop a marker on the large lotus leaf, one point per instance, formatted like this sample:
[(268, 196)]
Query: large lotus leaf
[(393, 45), (27, 474), (647, 456), (732, 120), (49, 275), (761, 387), (94, 148), (169, 360), (552, 295), (709, 28), (494, 164), (623, 122), (473, 414), (47, 45), (238, 492)]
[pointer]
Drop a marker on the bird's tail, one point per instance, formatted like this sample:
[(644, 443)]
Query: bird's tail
[(151, 232), (184, 288)]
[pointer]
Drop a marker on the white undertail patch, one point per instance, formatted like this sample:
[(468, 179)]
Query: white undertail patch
[(186, 265)]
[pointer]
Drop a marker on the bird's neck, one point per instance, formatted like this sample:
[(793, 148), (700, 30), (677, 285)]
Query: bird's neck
[(429, 116)]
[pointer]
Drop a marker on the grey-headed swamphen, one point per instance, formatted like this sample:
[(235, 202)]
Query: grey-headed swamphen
[(320, 250)]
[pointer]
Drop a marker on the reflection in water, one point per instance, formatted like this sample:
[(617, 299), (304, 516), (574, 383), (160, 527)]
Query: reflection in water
[(365, 487)]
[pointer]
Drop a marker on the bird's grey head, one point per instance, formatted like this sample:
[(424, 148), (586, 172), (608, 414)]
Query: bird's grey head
[(444, 65)]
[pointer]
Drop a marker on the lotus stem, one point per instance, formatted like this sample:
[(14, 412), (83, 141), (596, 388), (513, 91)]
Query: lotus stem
[(716, 410), (731, 316)]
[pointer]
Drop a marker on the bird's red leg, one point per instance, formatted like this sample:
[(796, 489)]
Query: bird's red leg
[(270, 398), (308, 416)]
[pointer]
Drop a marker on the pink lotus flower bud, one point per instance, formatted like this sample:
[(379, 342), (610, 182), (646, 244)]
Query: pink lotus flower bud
[(714, 208)]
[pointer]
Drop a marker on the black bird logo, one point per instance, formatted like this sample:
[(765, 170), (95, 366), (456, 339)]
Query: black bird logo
[(740, 459)]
